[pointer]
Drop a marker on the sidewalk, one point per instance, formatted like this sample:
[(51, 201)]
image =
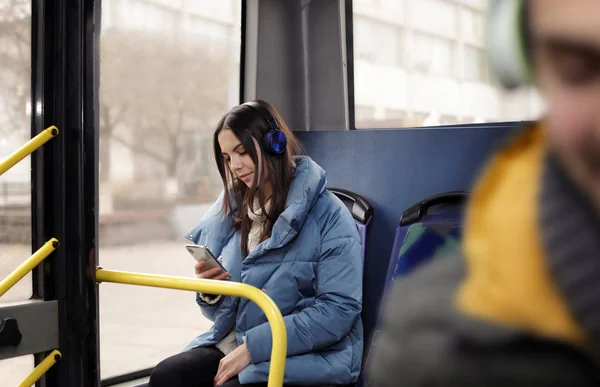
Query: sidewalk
[(139, 326)]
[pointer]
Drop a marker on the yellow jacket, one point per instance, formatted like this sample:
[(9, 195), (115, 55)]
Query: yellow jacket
[(507, 280)]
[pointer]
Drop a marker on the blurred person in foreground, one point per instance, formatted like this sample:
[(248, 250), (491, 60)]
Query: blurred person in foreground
[(519, 305)]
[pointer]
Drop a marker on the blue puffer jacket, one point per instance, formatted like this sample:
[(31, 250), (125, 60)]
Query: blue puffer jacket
[(311, 266)]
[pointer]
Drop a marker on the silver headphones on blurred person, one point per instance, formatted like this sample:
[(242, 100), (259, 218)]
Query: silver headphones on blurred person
[(507, 42)]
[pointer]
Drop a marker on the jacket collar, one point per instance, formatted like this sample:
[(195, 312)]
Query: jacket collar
[(309, 182), (508, 280)]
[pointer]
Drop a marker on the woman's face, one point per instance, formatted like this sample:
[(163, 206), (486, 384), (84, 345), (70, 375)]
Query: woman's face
[(237, 158)]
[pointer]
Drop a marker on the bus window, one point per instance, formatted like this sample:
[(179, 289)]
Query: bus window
[(423, 63), (168, 72), (15, 130), (15, 185)]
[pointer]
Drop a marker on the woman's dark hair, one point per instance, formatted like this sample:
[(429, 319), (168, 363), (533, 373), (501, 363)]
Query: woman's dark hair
[(246, 123)]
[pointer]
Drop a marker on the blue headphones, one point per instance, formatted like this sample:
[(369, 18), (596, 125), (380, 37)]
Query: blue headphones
[(507, 42), (274, 141)]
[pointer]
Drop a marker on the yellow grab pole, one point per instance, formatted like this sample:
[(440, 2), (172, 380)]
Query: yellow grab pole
[(28, 265), (268, 306), (28, 148), (41, 369)]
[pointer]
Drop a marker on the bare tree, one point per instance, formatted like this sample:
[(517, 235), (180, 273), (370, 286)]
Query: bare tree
[(153, 92), (15, 67)]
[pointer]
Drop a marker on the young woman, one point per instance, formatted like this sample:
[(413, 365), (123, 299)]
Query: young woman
[(275, 227)]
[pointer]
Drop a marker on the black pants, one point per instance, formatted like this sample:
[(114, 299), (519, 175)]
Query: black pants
[(194, 368)]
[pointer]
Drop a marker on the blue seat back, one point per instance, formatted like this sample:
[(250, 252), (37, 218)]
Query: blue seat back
[(425, 231), (361, 211), (432, 224)]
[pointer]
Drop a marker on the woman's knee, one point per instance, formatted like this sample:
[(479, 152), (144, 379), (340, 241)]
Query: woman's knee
[(186, 368), (164, 372)]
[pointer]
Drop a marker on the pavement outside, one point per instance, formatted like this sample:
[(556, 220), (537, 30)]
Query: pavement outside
[(139, 326)]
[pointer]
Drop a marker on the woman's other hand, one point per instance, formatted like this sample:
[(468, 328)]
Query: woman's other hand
[(232, 364)]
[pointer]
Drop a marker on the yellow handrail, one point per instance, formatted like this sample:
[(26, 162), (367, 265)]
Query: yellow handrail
[(41, 369), (28, 265), (268, 306), (28, 148)]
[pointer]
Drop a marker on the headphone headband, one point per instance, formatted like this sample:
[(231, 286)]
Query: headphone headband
[(507, 35), (264, 112), (274, 141)]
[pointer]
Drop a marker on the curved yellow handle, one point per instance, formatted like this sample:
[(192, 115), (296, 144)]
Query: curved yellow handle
[(268, 306)]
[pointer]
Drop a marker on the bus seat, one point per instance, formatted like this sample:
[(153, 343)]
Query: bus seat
[(361, 211), (425, 230)]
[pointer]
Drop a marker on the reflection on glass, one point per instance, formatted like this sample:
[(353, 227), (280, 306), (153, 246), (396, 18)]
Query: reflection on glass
[(15, 185), (168, 71), (423, 63)]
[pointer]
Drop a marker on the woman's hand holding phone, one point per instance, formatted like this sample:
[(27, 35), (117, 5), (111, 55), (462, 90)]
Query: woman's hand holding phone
[(216, 273)]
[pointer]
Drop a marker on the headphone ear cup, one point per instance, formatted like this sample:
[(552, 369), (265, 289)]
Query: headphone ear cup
[(506, 42), (275, 142)]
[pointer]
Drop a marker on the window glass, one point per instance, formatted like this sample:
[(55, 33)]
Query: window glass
[(15, 185), (434, 71), (15, 130), (432, 55), (168, 72), (14, 370), (388, 35), (475, 65)]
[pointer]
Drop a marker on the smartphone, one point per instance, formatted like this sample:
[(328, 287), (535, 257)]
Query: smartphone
[(203, 253)]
